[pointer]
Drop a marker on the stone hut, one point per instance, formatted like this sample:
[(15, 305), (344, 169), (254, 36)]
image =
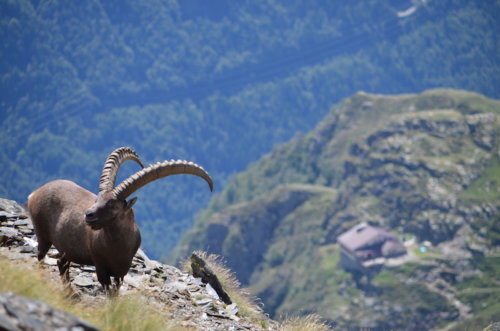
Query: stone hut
[(366, 242)]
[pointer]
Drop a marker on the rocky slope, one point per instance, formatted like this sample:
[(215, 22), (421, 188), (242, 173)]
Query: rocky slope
[(187, 301), (426, 166)]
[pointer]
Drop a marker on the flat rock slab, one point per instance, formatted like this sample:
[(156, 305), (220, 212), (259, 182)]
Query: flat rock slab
[(84, 281), (20, 313), (12, 207)]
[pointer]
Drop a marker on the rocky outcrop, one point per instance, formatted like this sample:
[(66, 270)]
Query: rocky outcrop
[(20, 313), (202, 270), (253, 225), (193, 303), (416, 167)]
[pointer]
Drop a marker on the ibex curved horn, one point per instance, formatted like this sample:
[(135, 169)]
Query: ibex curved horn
[(157, 171), (113, 163)]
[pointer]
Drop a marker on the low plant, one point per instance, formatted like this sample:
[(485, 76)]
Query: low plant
[(309, 322), (246, 303)]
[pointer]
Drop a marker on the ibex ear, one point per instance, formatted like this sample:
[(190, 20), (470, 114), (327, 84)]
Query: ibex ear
[(130, 203)]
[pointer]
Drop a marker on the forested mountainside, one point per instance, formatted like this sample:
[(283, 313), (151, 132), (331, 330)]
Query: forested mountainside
[(426, 166), (218, 83)]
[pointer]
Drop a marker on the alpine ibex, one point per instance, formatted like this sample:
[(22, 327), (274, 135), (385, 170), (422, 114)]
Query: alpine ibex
[(98, 230)]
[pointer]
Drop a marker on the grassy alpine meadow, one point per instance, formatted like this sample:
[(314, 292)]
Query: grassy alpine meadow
[(125, 312)]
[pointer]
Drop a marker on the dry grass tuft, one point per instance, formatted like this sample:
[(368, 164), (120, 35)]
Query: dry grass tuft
[(128, 313), (309, 322), (31, 283)]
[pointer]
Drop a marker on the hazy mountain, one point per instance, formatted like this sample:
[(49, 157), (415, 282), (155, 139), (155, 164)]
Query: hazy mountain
[(424, 166)]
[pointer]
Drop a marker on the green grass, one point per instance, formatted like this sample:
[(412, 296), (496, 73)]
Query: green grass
[(408, 269), (480, 320), (482, 293), (385, 278), (418, 296), (415, 297), (328, 282), (486, 187)]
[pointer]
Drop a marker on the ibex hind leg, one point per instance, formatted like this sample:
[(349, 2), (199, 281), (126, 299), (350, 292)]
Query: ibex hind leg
[(63, 265), (43, 248), (43, 240)]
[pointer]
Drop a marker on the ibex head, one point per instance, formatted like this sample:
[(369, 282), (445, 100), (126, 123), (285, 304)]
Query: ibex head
[(107, 209)]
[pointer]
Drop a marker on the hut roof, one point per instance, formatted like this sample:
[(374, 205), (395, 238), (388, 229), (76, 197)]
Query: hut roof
[(364, 235)]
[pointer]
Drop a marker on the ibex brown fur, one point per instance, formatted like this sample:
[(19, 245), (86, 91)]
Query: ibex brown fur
[(98, 230)]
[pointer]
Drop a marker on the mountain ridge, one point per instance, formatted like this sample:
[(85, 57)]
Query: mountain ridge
[(423, 165)]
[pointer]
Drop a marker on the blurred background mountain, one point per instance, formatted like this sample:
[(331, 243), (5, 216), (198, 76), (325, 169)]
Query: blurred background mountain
[(216, 82), (426, 167)]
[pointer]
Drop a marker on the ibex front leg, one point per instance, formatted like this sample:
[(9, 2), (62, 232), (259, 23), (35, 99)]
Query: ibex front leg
[(105, 279), (118, 284)]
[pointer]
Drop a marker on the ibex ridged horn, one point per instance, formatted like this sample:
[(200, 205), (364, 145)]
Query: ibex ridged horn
[(157, 171), (112, 165)]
